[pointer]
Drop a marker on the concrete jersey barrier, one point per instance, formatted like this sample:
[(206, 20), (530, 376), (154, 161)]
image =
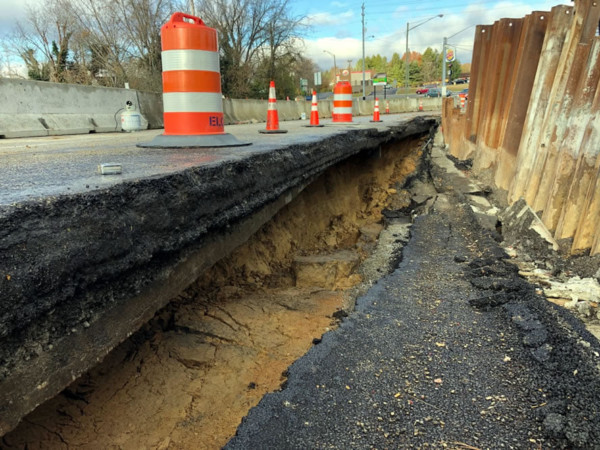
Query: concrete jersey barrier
[(39, 108)]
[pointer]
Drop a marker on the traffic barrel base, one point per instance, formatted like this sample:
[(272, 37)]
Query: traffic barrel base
[(193, 141), (279, 131)]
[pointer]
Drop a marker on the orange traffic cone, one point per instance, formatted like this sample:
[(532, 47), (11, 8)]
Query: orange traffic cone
[(420, 105), (376, 112), (314, 112), (387, 106), (272, 116)]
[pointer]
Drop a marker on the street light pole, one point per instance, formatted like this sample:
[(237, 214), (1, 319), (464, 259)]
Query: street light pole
[(406, 80), (363, 50), (334, 67), (444, 67), (444, 62), (406, 58)]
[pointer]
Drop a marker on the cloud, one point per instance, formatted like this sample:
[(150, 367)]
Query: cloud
[(458, 24), (343, 49), (328, 19)]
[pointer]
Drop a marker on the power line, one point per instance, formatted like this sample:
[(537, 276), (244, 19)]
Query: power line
[(381, 10)]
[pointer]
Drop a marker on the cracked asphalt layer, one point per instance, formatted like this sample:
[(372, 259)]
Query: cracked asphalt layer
[(451, 350)]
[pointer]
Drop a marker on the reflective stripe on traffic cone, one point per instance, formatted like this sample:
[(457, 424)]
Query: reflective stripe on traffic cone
[(192, 99), (314, 112), (272, 116), (376, 112)]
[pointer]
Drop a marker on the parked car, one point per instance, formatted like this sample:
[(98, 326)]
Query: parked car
[(422, 90), (459, 81), (435, 92)]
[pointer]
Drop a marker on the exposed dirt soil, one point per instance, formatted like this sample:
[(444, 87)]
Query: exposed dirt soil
[(188, 377)]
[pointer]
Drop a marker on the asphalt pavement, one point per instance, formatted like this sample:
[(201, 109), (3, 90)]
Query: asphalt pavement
[(43, 167), (450, 350)]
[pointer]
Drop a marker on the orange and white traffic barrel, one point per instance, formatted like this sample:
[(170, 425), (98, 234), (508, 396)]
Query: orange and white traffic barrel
[(192, 98), (342, 102), (272, 114), (314, 112), (462, 100)]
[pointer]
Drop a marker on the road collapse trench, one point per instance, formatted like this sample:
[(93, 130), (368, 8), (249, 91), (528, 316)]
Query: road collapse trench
[(186, 379)]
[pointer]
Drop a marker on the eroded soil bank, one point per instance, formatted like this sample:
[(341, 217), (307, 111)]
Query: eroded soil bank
[(188, 377)]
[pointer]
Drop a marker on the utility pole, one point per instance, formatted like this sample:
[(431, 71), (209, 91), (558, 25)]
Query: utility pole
[(444, 62), (444, 67), (406, 79), (406, 58), (363, 50)]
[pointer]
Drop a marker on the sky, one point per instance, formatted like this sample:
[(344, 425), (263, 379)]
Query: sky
[(335, 25)]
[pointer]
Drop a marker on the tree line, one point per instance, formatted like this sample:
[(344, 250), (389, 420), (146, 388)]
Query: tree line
[(113, 42), (423, 68)]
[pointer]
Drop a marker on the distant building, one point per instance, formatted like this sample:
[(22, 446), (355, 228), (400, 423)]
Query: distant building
[(356, 78)]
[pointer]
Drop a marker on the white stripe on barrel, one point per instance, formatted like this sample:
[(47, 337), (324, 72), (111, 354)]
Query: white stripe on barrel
[(190, 60)]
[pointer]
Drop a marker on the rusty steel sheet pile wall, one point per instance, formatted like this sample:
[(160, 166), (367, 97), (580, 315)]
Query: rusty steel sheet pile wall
[(531, 122)]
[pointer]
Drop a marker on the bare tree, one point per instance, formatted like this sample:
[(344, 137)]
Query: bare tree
[(100, 41), (43, 40), (7, 67), (249, 31), (123, 38), (107, 42), (111, 42), (141, 21)]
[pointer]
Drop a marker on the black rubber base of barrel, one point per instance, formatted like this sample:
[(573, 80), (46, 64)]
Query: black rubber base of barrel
[(272, 131), (194, 141)]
